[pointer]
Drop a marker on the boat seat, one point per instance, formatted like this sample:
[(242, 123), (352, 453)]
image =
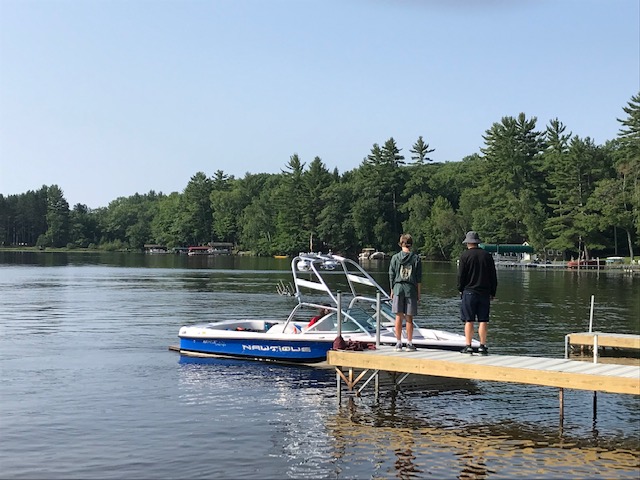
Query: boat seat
[(279, 328)]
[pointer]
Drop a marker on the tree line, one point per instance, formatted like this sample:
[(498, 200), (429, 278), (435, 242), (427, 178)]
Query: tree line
[(553, 189)]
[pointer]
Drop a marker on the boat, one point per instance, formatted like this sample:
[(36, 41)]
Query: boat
[(353, 302), (200, 251), (371, 254), (593, 263), (304, 264), (214, 248)]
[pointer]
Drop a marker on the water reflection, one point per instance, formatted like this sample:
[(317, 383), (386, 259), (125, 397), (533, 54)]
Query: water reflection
[(514, 450), (84, 343)]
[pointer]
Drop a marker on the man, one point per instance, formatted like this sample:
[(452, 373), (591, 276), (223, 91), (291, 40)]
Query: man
[(477, 284), (405, 278)]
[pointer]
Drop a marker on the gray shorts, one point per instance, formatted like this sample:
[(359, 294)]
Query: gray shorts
[(403, 304)]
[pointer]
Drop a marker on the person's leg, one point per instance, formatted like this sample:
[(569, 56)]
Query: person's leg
[(482, 332), (397, 307), (483, 308), (409, 328), (399, 318), (468, 315), (468, 332)]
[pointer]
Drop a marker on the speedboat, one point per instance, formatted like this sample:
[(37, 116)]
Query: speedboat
[(371, 254), (354, 306)]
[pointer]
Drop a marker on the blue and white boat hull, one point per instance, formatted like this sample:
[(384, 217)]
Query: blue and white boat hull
[(295, 351)]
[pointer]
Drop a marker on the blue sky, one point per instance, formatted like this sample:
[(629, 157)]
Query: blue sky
[(112, 97)]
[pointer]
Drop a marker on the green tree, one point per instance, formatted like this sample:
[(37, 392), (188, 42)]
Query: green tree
[(165, 226), (317, 179), (335, 221), (290, 200), (510, 167), (127, 220), (572, 178), (376, 211), (256, 222), (57, 234), (444, 230), (418, 209), (197, 216), (420, 151), (226, 205), (628, 159), (83, 227), (257, 228)]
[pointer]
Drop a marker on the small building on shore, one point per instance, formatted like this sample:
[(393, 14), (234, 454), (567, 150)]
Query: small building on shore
[(510, 253)]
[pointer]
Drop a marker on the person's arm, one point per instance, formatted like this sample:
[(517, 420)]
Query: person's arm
[(494, 278), (461, 277), (392, 276), (419, 277)]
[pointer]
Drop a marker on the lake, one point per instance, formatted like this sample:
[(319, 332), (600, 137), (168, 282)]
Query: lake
[(90, 390)]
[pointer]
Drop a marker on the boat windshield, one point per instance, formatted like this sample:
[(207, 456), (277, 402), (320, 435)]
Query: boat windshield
[(369, 305), (359, 317), (354, 320)]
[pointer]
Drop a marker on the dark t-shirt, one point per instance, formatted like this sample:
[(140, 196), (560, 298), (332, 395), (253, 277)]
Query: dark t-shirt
[(477, 272)]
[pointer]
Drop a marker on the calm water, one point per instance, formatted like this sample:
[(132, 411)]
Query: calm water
[(90, 390)]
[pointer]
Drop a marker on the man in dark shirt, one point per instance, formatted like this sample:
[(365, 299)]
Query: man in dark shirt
[(477, 284)]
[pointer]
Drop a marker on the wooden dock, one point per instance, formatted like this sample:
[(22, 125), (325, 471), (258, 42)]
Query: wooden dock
[(597, 340), (552, 372)]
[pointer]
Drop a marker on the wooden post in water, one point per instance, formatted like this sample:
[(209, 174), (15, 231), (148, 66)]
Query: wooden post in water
[(561, 399), (378, 310), (591, 314)]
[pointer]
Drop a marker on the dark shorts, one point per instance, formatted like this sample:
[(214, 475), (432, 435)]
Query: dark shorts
[(475, 307), (404, 304)]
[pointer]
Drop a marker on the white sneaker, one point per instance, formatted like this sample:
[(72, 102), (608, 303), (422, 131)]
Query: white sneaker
[(399, 347)]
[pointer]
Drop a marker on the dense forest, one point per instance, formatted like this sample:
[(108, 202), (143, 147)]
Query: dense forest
[(548, 187)]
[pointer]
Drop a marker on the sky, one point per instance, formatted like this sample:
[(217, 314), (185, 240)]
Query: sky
[(108, 98)]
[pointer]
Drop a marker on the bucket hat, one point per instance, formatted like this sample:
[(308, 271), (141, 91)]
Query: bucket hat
[(472, 237)]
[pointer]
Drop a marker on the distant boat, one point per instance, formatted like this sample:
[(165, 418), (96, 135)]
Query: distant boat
[(369, 253), (200, 251), (594, 263), (152, 248), (215, 248)]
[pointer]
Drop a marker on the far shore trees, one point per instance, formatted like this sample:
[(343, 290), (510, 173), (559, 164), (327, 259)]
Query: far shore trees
[(543, 185)]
